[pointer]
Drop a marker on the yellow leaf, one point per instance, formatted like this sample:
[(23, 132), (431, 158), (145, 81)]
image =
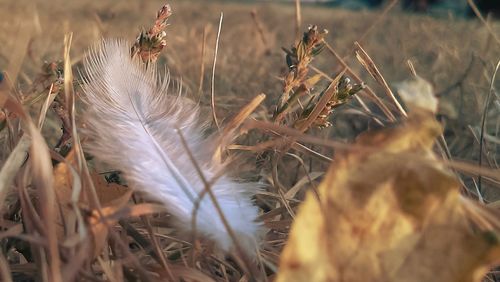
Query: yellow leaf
[(390, 214)]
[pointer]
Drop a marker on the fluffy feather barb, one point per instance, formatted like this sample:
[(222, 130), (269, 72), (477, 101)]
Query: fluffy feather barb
[(134, 126)]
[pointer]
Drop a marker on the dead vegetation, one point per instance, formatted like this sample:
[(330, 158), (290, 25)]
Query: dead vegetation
[(429, 181)]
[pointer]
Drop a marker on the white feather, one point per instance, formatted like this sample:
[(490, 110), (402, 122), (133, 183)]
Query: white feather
[(132, 124)]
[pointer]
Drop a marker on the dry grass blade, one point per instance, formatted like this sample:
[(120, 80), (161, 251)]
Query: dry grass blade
[(12, 165), (244, 113), (248, 266), (473, 169), (69, 93), (190, 274), (40, 164), (107, 270), (279, 187), (372, 69), (370, 92), (202, 61), (290, 194), (478, 14), (77, 158), (483, 122), (298, 20), (48, 101), (228, 133), (157, 248), (321, 104), (212, 89), (289, 134), (42, 179)]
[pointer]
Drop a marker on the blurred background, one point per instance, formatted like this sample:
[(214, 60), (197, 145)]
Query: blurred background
[(436, 7)]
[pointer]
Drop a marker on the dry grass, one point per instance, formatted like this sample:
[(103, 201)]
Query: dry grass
[(457, 56)]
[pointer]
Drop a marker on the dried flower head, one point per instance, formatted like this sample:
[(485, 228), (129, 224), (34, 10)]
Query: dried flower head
[(296, 82), (345, 91), (149, 44)]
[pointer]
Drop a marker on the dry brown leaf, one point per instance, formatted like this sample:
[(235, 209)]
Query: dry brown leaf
[(112, 197), (98, 227), (394, 214), (107, 192)]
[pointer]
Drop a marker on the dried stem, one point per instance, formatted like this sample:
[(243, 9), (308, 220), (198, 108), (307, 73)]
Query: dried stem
[(212, 91)]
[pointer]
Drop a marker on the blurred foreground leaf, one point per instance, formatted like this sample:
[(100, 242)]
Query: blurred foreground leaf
[(392, 213)]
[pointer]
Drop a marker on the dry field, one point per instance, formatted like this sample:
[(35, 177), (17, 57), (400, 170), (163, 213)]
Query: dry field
[(138, 241)]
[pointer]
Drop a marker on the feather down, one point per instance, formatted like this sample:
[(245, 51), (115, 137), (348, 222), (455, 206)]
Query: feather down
[(133, 125)]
